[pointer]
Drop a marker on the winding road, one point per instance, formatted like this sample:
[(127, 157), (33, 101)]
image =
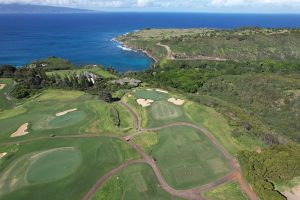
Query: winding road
[(190, 194)]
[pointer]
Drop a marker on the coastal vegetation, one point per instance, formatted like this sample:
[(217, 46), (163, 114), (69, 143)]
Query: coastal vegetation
[(251, 44)]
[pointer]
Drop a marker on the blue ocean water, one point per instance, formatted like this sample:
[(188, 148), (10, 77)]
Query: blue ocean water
[(86, 38)]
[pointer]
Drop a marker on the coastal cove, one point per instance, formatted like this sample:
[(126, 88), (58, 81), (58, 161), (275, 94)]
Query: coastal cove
[(87, 38)]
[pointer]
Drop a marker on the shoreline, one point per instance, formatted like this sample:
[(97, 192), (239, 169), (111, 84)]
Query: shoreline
[(126, 47)]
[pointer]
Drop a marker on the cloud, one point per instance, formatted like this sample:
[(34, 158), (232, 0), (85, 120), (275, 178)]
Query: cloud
[(142, 3), (169, 5), (254, 2)]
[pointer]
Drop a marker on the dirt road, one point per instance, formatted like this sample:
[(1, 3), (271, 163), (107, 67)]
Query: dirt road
[(170, 55)]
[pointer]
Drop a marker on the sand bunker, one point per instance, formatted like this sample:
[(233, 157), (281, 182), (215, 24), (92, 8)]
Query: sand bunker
[(293, 194), (65, 112), (145, 102), (162, 91), (178, 102), (2, 86), (149, 89), (22, 130), (2, 155)]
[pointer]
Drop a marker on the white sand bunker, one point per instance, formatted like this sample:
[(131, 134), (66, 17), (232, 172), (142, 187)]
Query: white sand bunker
[(178, 102), (293, 194), (162, 91), (22, 130), (2, 86), (145, 102), (2, 155), (149, 89), (65, 112)]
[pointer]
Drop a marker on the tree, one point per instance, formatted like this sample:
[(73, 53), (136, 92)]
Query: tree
[(106, 96)]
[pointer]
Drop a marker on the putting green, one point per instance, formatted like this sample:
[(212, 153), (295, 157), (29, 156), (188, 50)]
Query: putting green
[(163, 110), (154, 95), (67, 120), (60, 168), (53, 165)]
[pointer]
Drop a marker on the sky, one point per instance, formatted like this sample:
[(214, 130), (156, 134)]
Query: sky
[(230, 6)]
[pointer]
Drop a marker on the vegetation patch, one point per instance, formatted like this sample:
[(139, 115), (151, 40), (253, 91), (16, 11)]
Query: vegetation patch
[(277, 164), (135, 182), (217, 124), (147, 141), (226, 191)]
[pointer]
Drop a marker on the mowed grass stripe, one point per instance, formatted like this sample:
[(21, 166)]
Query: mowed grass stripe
[(187, 158)]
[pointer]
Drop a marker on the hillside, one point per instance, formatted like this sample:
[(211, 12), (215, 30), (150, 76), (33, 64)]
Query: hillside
[(252, 44)]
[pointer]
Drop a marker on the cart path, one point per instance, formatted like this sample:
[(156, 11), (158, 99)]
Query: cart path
[(190, 194), (104, 178), (134, 115), (236, 175)]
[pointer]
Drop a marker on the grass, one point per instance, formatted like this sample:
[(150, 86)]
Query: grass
[(99, 155), (53, 165), (95, 70), (218, 126), (147, 141), (67, 119), (135, 182), (92, 116), (142, 112), (6, 103), (151, 94), (187, 158), (226, 191), (163, 110)]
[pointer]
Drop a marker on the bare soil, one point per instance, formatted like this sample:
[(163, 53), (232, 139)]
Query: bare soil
[(293, 194), (144, 102), (22, 130), (178, 102), (65, 112), (2, 155), (2, 86)]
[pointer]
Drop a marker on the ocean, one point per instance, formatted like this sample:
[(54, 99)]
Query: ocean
[(87, 38)]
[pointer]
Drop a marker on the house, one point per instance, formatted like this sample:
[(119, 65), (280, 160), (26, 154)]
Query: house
[(127, 81), (90, 76)]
